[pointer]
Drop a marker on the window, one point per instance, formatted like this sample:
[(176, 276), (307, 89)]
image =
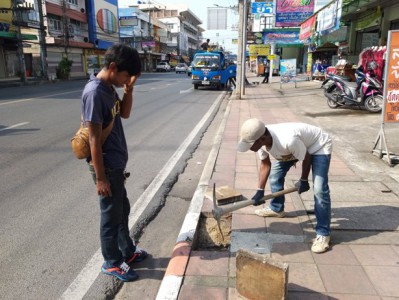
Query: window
[(54, 23), (74, 2)]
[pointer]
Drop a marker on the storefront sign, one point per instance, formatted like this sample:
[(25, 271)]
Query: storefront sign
[(369, 20), (261, 50), (391, 86), (328, 19), (262, 7), (307, 28), (339, 35), (281, 37), (290, 13)]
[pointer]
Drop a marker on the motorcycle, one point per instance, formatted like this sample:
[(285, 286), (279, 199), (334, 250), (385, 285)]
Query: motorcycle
[(366, 92)]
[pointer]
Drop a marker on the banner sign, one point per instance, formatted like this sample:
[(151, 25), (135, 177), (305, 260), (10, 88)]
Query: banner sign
[(262, 7), (328, 19), (391, 86), (290, 13), (307, 29), (281, 37)]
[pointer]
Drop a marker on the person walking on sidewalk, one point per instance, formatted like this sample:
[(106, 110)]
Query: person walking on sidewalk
[(101, 107), (289, 143), (266, 71)]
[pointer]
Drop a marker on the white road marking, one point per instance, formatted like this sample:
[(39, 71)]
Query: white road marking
[(13, 126), (82, 283), (186, 91), (30, 99)]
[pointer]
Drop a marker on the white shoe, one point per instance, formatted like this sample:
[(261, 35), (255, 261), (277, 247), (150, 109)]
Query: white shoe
[(267, 212), (321, 244)]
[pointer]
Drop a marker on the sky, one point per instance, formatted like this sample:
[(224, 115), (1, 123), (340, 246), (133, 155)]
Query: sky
[(199, 8)]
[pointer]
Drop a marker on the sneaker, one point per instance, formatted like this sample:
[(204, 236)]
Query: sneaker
[(321, 244), (268, 212), (138, 256), (122, 272)]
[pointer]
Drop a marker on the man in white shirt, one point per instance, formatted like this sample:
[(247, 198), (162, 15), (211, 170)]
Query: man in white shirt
[(289, 143)]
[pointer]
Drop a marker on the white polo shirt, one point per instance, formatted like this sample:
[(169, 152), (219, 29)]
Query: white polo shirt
[(292, 140)]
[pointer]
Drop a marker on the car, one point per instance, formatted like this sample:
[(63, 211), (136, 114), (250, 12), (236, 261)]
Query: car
[(163, 67), (190, 70), (181, 68)]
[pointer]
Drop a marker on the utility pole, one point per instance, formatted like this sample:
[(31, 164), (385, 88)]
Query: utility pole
[(42, 39), (20, 51), (242, 32)]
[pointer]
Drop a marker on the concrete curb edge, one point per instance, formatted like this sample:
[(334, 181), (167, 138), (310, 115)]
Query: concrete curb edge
[(172, 281)]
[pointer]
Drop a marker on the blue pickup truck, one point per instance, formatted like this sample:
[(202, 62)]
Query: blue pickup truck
[(213, 69)]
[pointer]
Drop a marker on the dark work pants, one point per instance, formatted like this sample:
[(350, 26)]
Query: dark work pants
[(116, 243)]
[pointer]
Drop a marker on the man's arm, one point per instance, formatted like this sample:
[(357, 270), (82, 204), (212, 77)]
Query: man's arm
[(102, 183), (264, 172), (306, 164), (127, 100)]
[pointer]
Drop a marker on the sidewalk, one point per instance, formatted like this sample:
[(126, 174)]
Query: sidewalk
[(363, 261)]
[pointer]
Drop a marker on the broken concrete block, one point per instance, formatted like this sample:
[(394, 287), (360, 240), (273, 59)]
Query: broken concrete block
[(260, 277), (224, 195)]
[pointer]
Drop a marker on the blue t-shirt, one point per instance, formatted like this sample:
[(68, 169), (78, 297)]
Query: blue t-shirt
[(99, 103)]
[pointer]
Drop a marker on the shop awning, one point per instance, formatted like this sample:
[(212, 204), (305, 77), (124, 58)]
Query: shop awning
[(326, 47), (13, 35)]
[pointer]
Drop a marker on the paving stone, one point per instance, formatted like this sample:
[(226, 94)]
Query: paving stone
[(224, 194), (384, 279), (260, 277), (337, 255), (190, 292), (304, 278), (375, 255), (346, 279), (208, 263), (292, 252)]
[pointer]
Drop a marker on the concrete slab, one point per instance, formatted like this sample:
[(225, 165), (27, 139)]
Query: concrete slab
[(361, 216), (360, 191), (260, 242)]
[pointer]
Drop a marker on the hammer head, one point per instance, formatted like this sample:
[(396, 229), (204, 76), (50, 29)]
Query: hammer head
[(216, 211)]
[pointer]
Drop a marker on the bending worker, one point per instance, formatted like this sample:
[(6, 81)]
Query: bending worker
[(289, 143)]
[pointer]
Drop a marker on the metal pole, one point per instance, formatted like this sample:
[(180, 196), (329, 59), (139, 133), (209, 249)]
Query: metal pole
[(239, 82), (42, 39), (243, 51), (20, 51)]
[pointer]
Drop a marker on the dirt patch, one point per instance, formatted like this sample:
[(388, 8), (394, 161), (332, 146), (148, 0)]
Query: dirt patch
[(209, 236)]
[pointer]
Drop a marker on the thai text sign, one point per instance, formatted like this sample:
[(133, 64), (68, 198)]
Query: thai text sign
[(391, 85), (281, 37), (329, 18), (290, 13), (307, 28)]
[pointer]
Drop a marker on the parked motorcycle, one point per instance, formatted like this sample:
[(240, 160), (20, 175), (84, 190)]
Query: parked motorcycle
[(366, 92)]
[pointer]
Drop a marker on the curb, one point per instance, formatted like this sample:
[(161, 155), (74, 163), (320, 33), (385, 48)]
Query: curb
[(174, 274)]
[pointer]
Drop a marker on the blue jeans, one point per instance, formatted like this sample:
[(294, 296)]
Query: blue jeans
[(116, 243), (321, 190)]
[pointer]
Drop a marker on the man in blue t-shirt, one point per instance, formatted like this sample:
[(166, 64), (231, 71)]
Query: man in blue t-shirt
[(102, 111)]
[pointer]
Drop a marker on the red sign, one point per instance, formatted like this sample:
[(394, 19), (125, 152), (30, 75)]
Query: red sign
[(307, 28), (391, 93)]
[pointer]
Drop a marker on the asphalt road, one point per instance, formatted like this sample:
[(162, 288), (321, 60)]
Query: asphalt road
[(49, 214)]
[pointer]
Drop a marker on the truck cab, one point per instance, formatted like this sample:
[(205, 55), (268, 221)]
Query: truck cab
[(212, 69)]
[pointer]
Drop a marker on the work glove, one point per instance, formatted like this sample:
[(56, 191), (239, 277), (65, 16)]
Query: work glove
[(302, 186), (259, 195)]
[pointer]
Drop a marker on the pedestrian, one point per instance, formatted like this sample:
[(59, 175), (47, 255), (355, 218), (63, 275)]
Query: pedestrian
[(205, 45), (266, 71), (103, 109), (289, 143)]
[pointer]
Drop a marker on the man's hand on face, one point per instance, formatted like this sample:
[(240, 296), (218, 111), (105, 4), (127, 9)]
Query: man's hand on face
[(129, 86)]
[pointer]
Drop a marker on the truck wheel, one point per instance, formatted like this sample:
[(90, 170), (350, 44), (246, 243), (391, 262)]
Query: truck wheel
[(195, 86)]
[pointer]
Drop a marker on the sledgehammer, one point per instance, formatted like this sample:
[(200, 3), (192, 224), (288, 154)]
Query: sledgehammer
[(217, 211)]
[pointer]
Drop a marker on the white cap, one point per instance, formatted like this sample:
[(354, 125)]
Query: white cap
[(251, 130)]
